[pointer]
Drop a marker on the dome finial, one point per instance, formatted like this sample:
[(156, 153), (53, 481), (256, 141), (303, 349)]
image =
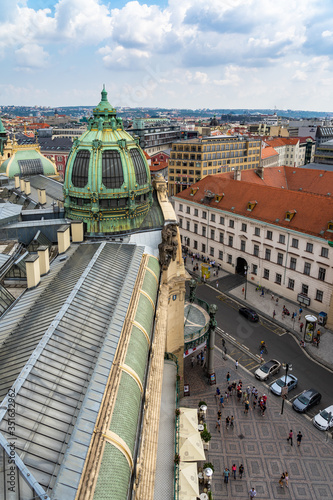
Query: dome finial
[(104, 93)]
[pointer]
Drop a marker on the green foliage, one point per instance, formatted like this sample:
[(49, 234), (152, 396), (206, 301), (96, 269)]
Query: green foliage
[(205, 435), (201, 403), (209, 465)]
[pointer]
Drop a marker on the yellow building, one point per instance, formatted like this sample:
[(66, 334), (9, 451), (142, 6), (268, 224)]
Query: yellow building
[(193, 159)]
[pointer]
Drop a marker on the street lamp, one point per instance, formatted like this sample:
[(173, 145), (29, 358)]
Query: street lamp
[(284, 390), (246, 268)]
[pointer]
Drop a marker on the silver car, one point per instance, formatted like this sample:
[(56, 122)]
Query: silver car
[(290, 381), (267, 369)]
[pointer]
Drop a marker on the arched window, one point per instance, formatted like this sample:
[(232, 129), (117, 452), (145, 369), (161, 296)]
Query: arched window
[(81, 168), (112, 169), (139, 167)]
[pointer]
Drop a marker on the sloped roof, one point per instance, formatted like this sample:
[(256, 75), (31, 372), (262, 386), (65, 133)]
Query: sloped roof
[(268, 152), (313, 211)]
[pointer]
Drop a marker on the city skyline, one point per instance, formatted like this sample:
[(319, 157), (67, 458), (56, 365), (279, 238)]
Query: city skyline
[(239, 54)]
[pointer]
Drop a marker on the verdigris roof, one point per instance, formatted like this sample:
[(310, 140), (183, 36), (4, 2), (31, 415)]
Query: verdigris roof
[(57, 348), (26, 162)]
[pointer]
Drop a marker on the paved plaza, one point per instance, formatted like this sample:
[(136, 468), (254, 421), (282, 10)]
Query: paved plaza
[(260, 442)]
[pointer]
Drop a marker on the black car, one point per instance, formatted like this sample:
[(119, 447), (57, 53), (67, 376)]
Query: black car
[(306, 400), (249, 314)]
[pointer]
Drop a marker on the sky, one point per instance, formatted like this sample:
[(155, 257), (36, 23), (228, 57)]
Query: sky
[(168, 53)]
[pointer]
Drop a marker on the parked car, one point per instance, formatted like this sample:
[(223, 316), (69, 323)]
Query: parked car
[(324, 419), (267, 369), (306, 400), (249, 314), (290, 382)]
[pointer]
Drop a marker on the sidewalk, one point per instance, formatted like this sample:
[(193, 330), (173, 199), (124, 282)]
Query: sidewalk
[(265, 306), (260, 442)]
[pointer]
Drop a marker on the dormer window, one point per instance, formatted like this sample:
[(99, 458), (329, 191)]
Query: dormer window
[(194, 191), (218, 197), (290, 214), (251, 205), (330, 225)]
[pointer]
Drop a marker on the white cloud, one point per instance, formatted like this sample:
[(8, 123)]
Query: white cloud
[(31, 56)]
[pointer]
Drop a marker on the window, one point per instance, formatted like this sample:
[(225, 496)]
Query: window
[(305, 289), (196, 213), (294, 243), (231, 223), (230, 241), (204, 215), (220, 255), (257, 231), (278, 278), (180, 207), (180, 222), (293, 262), (221, 237), (222, 221), (256, 250), (212, 217), (196, 228), (269, 235), (212, 234), (307, 268), (112, 170), (203, 248), (324, 252), (282, 239), (188, 210), (309, 247), (211, 251), (280, 259), (291, 284), (203, 231), (229, 259), (322, 274), (254, 269), (188, 225), (81, 168), (244, 227), (266, 274), (243, 243), (195, 245), (139, 166), (319, 295), (267, 254)]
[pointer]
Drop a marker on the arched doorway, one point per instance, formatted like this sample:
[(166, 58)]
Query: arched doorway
[(241, 266)]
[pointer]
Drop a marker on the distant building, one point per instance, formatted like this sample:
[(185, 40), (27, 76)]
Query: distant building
[(155, 134), (56, 149), (293, 151), (192, 160), (324, 153), (324, 134)]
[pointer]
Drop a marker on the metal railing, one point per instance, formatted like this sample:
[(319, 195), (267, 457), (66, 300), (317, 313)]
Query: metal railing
[(172, 357)]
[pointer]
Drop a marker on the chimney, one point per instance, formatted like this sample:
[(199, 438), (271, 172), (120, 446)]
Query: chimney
[(41, 196), (237, 174), (17, 180), (27, 187), (63, 238), (44, 261), (77, 231), (33, 270), (22, 185)]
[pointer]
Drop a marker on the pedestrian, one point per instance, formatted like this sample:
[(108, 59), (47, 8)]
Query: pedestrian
[(192, 361), (218, 424), (244, 396), (277, 300), (318, 341), (262, 293), (254, 403), (228, 378), (243, 290), (234, 470), (290, 437), (282, 478), (264, 398), (241, 471), (217, 283), (226, 397), (227, 422), (300, 310), (232, 421), (286, 479), (263, 409), (221, 401), (252, 493), (274, 314), (318, 333), (253, 391), (239, 394), (246, 406), (202, 358), (299, 318), (236, 364), (299, 438), (248, 390), (226, 475), (217, 394), (272, 297), (301, 327)]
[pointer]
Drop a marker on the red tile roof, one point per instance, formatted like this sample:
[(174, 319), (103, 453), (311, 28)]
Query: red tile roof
[(268, 152), (158, 165), (313, 211)]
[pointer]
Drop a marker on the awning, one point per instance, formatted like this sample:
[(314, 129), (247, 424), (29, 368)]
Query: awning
[(191, 448), (188, 481), (188, 421)]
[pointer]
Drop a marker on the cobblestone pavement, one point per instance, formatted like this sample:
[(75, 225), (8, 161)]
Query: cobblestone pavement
[(260, 442)]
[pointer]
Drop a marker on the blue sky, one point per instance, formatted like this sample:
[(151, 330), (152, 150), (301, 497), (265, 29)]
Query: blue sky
[(172, 53)]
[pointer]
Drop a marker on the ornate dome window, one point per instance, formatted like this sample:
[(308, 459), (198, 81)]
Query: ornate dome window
[(139, 167), (81, 168), (112, 169)]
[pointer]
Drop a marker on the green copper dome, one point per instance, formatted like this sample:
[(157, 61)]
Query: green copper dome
[(107, 181)]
